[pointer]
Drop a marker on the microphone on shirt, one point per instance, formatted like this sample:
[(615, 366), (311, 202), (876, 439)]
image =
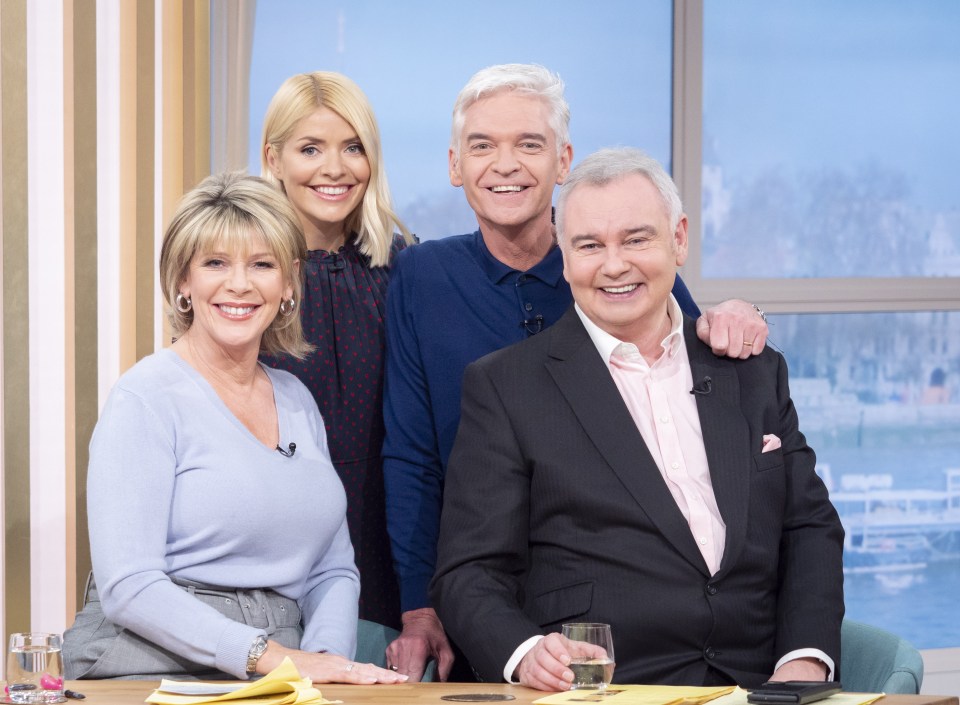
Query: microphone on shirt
[(704, 386), (292, 448), (533, 325)]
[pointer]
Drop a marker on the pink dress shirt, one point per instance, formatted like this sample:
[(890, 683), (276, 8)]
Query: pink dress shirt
[(665, 412)]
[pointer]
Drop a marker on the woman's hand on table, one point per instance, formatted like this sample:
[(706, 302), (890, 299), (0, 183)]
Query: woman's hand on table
[(326, 668)]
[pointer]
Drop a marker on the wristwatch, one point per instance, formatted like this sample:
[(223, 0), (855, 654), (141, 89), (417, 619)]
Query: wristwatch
[(256, 651)]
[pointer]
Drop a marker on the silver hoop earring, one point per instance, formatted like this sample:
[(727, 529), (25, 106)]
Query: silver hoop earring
[(288, 307), (184, 304)]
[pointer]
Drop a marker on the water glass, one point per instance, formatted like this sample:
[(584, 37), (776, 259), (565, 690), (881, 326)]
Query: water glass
[(34, 669), (590, 670)]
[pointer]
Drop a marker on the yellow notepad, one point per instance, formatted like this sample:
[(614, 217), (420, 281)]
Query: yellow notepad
[(640, 695), (682, 695), (282, 686)]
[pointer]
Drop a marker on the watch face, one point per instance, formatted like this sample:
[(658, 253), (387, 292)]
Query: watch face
[(256, 651)]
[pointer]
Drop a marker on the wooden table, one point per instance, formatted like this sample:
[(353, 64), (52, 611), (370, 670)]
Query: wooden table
[(131, 692)]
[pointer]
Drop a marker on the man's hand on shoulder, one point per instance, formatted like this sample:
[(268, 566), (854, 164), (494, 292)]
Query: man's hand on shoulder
[(422, 638), (733, 328), (801, 669), (546, 665)]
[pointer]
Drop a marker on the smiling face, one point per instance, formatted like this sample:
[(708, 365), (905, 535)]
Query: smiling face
[(621, 258), (509, 162), (325, 173), (235, 296)]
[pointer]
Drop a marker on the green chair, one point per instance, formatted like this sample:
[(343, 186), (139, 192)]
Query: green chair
[(875, 661), (372, 642)]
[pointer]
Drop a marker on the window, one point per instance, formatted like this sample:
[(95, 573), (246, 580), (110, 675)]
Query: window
[(881, 411), (411, 59), (828, 138), (815, 143)]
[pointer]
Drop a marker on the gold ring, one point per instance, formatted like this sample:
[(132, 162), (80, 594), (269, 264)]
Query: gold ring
[(749, 345)]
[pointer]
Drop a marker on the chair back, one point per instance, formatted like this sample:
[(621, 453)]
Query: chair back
[(372, 642), (875, 661)]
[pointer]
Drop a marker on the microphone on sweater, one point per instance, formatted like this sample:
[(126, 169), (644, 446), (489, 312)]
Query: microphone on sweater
[(288, 453), (703, 387)]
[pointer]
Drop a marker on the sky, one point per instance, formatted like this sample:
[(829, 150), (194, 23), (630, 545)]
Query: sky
[(412, 58), (821, 82), (812, 84)]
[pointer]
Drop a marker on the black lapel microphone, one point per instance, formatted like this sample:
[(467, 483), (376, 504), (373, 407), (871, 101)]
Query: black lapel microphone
[(293, 449), (533, 325), (703, 387)]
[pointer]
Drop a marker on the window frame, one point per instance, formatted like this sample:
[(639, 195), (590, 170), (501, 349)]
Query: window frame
[(806, 295), (800, 295)]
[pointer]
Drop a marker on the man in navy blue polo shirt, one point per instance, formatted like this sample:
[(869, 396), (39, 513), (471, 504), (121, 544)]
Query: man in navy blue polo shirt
[(451, 301)]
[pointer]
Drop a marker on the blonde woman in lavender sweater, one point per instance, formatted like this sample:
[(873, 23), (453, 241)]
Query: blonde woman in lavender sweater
[(208, 470)]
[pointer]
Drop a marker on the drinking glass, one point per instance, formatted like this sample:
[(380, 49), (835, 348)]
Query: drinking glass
[(34, 668), (590, 671)]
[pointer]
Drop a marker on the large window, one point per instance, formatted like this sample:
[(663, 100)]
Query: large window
[(878, 396), (412, 58), (829, 140), (815, 144)]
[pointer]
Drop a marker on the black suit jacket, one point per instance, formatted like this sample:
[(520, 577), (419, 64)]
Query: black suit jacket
[(554, 511)]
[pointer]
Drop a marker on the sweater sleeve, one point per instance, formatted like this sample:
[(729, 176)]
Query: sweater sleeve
[(682, 294), (330, 602), (131, 484)]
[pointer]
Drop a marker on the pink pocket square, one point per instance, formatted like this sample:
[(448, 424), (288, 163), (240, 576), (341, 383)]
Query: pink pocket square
[(770, 442)]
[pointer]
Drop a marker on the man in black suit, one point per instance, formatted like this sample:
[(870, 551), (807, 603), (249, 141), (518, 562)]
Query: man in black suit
[(612, 469)]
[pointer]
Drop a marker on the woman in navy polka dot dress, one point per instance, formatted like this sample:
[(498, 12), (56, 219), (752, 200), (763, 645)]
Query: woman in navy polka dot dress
[(321, 145)]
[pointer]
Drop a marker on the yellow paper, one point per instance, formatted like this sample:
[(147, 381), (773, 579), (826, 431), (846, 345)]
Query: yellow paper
[(639, 695), (282, 686)]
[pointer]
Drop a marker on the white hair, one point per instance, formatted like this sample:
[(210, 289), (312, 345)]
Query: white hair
[(525, 79), (607, 165)]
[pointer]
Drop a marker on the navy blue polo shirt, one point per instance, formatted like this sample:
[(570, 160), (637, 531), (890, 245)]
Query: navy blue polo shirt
[(450, 302)]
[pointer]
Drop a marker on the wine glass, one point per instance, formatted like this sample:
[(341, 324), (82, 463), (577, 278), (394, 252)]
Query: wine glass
[(589, 669)]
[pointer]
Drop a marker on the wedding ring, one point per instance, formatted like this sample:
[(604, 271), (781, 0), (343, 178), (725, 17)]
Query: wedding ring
[(749, 345), (349, 666), (394, 668)]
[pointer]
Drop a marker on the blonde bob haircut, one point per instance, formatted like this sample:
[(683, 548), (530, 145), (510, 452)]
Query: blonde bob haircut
[(374, 221), (226, 212)]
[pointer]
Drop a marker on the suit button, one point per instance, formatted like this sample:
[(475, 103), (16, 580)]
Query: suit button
[(712, 589), (709, 652)]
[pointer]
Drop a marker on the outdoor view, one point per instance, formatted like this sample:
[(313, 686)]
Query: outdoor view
[(830, 145), (829, 151), (879, 400)]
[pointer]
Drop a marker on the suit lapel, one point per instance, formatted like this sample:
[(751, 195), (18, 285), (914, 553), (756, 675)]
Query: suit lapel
[(585, 381), (726, 439)]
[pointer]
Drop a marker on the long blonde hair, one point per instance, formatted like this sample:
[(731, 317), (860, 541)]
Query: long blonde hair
[(374, 221)]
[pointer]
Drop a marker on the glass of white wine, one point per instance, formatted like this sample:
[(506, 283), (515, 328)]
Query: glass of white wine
[(591, 670)]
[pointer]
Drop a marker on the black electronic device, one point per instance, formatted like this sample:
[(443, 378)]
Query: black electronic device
[(793, 692)]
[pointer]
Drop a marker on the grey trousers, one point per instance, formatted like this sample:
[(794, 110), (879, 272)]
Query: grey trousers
[(95, 647)]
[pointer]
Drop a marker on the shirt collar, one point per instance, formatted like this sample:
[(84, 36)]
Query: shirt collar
[(549, 270), (606, 344)]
